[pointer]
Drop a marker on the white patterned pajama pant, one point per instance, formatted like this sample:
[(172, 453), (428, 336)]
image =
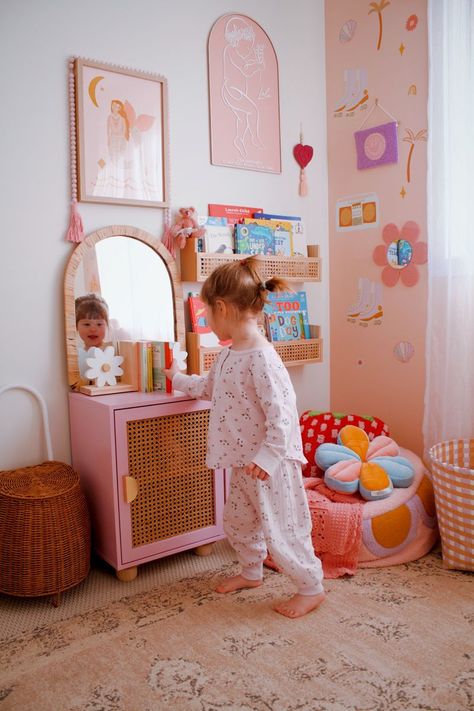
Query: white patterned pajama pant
[(274, 515)]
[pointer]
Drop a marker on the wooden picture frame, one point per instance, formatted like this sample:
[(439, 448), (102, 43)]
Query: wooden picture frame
[(244, 98), (121, 118)]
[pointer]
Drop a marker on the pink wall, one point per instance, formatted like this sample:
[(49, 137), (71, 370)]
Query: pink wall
[(366, 375)]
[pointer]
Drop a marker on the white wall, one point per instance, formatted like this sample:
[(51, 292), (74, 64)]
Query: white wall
[(36, 39)]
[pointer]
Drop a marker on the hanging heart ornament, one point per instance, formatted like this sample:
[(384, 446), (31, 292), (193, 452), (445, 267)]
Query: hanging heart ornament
[(303, 154)]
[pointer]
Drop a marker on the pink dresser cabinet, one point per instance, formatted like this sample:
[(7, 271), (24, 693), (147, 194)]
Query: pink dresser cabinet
[(141, 461)]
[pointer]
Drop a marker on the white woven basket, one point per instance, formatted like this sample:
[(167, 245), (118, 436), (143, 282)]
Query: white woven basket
[(452, 467)]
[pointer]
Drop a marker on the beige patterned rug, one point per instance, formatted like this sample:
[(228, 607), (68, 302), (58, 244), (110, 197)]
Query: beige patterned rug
[(389, 638)]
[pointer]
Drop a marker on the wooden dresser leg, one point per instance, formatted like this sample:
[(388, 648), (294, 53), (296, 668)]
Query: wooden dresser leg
[(127, 575), (205, 549)]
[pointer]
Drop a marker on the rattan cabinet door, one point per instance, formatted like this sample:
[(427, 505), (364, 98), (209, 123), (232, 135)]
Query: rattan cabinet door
[(177, 501)]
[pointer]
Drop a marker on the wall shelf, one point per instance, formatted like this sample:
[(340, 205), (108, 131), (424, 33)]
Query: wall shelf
[(197, 266), (302, 352)]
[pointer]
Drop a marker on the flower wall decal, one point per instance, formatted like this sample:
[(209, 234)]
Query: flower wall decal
[(104, 366), (411, 23), (400, 254)]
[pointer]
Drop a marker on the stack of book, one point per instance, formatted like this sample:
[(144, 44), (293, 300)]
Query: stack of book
[(143, 364), (248, 230)]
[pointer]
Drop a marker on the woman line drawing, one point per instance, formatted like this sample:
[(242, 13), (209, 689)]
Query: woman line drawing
[(243, 60)]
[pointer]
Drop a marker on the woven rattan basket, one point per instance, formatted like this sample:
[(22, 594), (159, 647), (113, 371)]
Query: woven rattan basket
[(452, 467), (44, 527)]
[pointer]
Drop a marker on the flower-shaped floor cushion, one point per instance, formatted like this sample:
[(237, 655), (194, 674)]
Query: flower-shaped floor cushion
[(356, 464), (394, 530)]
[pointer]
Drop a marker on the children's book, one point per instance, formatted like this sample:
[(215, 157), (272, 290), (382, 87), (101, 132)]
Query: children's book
[(143, 383), (162, 357), (234, 213), (298, 231), (282, 232), (254, 239), (197, 313), (204, 221), (219, 238), (287, 316)]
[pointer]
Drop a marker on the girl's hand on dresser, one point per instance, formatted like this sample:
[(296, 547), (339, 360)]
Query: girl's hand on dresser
[(256, 472)]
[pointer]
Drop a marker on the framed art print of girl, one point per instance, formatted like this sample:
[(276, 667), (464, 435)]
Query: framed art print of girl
[(121, 134)]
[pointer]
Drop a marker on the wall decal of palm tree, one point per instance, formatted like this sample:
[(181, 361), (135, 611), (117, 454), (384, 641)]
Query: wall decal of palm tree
[(379, 7), (413, 138)]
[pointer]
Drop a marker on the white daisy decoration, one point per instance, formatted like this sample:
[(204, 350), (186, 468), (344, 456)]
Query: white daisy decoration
[(179, 356), (104, 366)]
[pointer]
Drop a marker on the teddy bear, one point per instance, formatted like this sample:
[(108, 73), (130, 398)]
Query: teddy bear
[(186, 226)]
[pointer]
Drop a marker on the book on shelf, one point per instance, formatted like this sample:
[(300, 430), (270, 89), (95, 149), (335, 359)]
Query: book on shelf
[(286, 316), (219, 239), (142, 364), (254, 239), (233, 213), (205, 221), (161, 357), (197, 314), (282, 234), (300, 248)]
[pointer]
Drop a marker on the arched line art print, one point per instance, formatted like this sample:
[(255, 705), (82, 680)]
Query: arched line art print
[(243, 96)]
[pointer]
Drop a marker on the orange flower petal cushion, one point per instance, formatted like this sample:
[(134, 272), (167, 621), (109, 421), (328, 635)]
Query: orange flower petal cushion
[(356, 439)]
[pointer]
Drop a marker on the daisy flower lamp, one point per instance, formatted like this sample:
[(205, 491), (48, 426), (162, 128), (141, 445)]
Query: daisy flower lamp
[(104, 368)]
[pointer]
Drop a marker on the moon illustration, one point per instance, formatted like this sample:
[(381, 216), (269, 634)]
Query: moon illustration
[(92, 87)]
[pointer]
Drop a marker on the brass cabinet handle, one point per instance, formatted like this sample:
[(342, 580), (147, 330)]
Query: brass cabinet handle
[(130, 489)]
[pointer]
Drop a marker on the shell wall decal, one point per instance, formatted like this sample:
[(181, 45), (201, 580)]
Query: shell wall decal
[(404, 351), (347, 31)]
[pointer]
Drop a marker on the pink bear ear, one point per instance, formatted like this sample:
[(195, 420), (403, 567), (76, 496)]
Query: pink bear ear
[(383, 447)]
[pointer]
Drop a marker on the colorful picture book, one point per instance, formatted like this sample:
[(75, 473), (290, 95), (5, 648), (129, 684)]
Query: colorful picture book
[(286, 316), (233, 213), (282, 234), (254, 239), (298, 232), (197, 314)]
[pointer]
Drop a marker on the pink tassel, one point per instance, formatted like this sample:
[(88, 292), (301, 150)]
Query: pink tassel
[(75, 231), (303, 187), (168, 240)]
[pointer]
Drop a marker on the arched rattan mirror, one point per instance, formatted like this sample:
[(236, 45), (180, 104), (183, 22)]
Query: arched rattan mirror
[(138, 278)]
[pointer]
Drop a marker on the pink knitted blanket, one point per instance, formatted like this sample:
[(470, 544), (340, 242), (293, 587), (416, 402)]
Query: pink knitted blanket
[(337, 528)]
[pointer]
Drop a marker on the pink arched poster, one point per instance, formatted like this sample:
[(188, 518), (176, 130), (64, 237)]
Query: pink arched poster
[(243, 96)]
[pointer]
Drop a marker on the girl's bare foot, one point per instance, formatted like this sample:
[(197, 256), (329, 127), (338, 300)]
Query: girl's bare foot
[(237, 582), (300, 605)]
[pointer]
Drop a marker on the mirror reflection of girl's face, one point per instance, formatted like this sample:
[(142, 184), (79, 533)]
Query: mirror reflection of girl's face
[(92, 331)]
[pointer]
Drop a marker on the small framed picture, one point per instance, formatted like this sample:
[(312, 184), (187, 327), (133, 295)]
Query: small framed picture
[(122, 135)]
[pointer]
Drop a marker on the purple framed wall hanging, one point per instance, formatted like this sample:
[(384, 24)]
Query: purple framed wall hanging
[(377, 145)]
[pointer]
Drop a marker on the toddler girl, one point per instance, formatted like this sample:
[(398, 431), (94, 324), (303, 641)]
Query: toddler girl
[(92, 320), (254, 430)]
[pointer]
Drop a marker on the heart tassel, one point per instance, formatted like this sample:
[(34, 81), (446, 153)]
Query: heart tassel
[(303, 187), (303, 155)]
